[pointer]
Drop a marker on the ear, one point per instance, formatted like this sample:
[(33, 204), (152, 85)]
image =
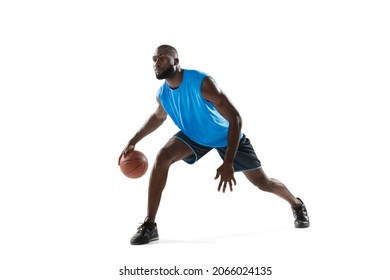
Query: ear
[(176, 61)]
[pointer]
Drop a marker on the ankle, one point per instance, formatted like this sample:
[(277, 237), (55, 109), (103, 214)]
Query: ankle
[(149, 223), (298, 201), (149, 220)]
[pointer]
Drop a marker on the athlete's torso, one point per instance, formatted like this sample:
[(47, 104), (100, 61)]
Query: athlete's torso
[(194, 115)]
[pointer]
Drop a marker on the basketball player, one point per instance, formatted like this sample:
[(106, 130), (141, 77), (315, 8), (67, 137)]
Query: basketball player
[(207, 120)]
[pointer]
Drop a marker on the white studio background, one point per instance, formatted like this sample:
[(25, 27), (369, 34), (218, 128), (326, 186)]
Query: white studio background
[(309, 78)]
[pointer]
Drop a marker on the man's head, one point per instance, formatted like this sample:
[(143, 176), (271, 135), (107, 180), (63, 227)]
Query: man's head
[(165, 62)]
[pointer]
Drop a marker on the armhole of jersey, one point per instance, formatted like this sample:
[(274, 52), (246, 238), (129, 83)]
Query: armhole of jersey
[(158, 93), (201, 93)]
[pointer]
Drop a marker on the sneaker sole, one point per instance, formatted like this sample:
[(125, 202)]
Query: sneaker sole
[(151, 240), (302, 226)]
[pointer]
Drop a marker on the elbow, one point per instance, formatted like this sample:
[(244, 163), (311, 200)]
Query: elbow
[(162, 118), (237, 122)]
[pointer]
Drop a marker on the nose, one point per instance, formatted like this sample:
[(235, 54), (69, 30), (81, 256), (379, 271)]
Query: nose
[(156, 64)]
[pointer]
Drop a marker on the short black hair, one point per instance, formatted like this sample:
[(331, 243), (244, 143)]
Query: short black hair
[(172, 51)]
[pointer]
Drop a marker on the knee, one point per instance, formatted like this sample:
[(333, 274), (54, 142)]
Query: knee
[(271, 185), (265, 185), (164, 158), (260, 180)]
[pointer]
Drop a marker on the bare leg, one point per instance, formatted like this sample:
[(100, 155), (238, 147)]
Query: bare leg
[(174, 150), (261, 180)]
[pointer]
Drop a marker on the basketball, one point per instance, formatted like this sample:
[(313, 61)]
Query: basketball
[(134, 165)]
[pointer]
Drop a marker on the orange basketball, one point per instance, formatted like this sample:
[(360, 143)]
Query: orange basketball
[(134, 165)]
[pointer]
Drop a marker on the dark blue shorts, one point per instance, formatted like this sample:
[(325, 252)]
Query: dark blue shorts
[(245, 160)]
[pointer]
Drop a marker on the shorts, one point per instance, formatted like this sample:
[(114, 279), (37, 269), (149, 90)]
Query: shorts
[(245, 160)]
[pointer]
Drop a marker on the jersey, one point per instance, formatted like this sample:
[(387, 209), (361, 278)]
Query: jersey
[(195, 116)]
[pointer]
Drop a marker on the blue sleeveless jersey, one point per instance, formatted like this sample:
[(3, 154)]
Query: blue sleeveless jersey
[(194, 115)]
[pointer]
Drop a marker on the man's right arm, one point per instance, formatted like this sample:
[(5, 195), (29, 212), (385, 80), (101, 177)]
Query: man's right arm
[(152, 123)]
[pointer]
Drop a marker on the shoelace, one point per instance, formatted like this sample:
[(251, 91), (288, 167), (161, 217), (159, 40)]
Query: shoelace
[(142, 227), (300, 212)]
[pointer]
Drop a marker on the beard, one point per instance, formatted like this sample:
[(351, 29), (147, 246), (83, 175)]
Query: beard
[(167, 73)]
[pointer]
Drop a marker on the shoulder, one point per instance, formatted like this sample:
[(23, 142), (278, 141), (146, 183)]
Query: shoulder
[(161, 89), (209, 85), (195, 73)]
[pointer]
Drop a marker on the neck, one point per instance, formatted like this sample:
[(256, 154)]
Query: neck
[(177, 77)]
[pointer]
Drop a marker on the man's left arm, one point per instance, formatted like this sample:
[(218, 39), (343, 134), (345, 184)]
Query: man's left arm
[(216, 96)]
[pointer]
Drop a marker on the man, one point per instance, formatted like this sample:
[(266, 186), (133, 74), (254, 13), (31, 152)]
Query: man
[(207, 120)]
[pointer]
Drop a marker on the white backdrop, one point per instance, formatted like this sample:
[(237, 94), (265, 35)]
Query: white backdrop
[(309, 78)]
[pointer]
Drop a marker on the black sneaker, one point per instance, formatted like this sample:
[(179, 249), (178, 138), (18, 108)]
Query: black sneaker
[(147, 232), (300, 215)]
